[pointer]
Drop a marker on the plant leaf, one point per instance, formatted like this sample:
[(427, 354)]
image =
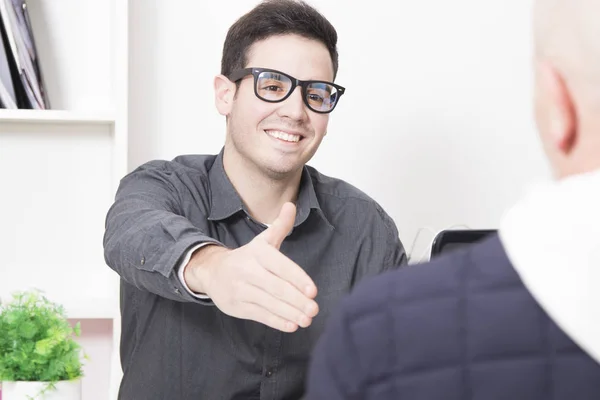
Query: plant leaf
[(27, 329)]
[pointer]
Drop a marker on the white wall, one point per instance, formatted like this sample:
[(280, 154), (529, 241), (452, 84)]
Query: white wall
[(450, 139)]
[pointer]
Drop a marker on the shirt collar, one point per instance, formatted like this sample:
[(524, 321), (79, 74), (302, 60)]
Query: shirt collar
[(552, 237), (225, 201), (307, 201)]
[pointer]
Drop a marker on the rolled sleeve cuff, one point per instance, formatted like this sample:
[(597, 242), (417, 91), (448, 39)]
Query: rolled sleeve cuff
[(181, 271), (179, 286)]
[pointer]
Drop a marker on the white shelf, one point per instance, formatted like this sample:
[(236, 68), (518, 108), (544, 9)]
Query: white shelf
[(81, 298), (78, 306), (94, 310), (57, 117)]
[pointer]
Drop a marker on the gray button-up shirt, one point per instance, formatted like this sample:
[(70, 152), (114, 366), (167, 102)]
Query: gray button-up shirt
[(177, 347)]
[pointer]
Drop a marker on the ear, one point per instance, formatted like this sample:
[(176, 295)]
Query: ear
[(224, 94), (561, 113)]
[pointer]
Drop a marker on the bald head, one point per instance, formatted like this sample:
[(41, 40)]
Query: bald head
[(567, 52), (567, 34)]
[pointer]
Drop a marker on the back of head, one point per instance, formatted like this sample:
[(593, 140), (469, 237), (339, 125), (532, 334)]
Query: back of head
[(276, 17), (567, 55)]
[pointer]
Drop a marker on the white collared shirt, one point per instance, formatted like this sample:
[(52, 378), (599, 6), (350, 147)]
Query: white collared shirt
[(552, 238)]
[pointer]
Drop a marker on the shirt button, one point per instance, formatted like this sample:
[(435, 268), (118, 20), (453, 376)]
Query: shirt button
[(143, 261), (269, 373)]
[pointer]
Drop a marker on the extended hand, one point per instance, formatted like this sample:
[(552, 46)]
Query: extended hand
[(258, 282)]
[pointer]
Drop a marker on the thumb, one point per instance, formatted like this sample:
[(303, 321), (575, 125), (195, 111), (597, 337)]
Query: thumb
[(279, 229)]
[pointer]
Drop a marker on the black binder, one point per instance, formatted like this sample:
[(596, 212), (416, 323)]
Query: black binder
[(21, 56), (449, 240)]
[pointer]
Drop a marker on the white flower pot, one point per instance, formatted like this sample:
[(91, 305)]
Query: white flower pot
[(65, 390)]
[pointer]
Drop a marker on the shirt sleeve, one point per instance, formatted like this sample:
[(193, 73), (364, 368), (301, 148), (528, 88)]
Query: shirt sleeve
[(181, 272), (146, 236)]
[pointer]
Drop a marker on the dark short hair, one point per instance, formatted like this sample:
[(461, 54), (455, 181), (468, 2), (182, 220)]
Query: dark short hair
[(271, 18)]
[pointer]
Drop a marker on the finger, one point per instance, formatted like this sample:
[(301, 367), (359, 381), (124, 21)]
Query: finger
[(281, 227), (281, 290), (262, 298), (259, 314), (279, 265)]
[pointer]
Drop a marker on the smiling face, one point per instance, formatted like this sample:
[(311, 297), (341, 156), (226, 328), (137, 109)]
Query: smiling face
[(277, 139)]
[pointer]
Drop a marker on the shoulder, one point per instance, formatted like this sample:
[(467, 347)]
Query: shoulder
[(179, 176), (334, 194), (183, 164), (334, 187), (181, 169)]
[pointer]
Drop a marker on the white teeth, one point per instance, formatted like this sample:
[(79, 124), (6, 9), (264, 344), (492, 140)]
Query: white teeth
[(288, 137)]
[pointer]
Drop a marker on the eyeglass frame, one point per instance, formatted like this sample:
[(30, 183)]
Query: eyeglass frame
[(255, 72)]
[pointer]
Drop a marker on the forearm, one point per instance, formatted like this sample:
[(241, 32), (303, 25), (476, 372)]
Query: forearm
[(146, 236), (145, 246)]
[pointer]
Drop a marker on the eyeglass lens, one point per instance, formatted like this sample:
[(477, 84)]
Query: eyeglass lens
[(271, 86)]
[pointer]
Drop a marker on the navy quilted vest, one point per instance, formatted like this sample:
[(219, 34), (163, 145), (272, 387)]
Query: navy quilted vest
[(462, 327)]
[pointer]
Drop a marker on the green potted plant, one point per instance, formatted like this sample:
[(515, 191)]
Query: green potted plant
[(39, 356)]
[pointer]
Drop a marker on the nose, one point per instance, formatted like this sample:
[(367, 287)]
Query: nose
[(293, 107)]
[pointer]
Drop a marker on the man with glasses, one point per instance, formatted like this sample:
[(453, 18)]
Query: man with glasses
[(230, 263)]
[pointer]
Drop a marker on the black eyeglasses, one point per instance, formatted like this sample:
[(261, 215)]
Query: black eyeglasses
[(275, 86)]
